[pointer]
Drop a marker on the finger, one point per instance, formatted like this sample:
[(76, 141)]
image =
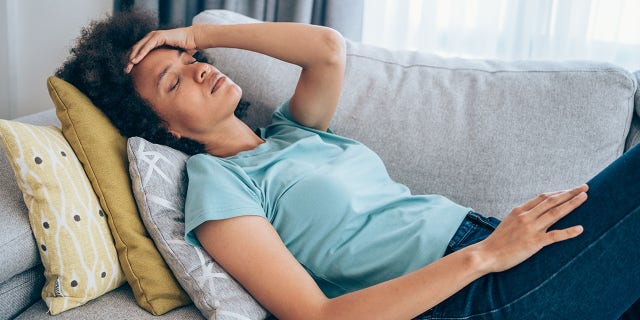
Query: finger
[(553, 215), (562, 234), (144, 46), (537, 200), (556, 199), (135, 49), (145, 49)]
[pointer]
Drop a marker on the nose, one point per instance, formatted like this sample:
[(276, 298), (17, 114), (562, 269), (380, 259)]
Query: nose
[(202, 72)]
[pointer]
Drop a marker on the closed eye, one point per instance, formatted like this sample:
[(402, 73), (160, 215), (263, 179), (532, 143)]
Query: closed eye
[(175, 85)]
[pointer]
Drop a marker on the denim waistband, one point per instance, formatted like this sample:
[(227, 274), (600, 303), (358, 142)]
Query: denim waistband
[(474, 228)]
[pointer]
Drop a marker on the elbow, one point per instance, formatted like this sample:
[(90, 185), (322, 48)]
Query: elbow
[(334, 47)]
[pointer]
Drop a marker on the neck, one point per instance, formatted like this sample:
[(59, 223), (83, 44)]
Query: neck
[(235, 138)]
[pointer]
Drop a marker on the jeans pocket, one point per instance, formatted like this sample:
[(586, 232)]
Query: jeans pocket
[(488, 222), (474, 228)]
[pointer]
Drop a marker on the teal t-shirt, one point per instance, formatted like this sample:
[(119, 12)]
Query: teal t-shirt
[(330, 199)]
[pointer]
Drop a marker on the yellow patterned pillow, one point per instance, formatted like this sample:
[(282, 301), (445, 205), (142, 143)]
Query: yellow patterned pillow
[(103, 153), (70, 228)]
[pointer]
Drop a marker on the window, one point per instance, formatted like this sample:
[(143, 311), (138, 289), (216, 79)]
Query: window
[(603, 30)]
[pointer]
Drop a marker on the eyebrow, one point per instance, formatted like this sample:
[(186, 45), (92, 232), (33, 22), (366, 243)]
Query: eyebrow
[(166, 70)]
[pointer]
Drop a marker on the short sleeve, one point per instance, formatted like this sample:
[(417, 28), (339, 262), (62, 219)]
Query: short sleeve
[(217, 190), (282, 116)]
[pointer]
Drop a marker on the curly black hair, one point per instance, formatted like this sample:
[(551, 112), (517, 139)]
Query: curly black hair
[(96, 66)]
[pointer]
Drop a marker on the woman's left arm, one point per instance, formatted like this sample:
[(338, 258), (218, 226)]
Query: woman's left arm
[(320, 51)]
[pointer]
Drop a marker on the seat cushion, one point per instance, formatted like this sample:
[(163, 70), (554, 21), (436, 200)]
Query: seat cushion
[(117, 304), (17, 245), (20, 291)]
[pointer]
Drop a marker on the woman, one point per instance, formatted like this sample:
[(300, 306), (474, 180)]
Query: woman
[(310, 223)]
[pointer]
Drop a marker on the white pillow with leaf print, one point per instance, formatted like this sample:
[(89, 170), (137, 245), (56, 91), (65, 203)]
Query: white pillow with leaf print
[(159, 185)]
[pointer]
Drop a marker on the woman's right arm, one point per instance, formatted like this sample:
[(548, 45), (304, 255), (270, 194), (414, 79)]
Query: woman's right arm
[(319, 51), (252, 252)]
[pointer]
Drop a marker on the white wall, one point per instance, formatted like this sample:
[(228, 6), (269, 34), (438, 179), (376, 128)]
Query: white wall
[(35, 38), (4, 61)]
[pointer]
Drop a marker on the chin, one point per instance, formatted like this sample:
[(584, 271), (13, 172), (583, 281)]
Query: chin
[(238, 94), (238, 90)]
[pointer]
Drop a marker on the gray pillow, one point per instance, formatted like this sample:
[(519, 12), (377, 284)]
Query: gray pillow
[(159, 185)]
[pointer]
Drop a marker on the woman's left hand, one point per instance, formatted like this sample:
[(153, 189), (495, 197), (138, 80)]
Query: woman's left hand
[(525, 230), (183, 38)]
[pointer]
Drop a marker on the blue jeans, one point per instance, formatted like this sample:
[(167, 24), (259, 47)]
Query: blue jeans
[(593, 276)]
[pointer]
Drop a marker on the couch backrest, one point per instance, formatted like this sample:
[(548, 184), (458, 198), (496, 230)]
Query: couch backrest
[(488, 134)]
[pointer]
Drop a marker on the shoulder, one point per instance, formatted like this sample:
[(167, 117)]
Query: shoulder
[(202, 167), (282, 118)]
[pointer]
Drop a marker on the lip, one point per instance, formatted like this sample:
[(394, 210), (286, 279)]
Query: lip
[(217, 83)]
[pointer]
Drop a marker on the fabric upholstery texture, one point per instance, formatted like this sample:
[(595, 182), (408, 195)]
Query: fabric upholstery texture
[(634, 133), (487, 134), (19, 292), (17, 246), (118, 304), (472, 130), (70, 228), (637, 96), (102, 151), (160, 183)]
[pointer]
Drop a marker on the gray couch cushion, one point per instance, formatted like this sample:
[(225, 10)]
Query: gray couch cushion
[(634, 133), (117, 304), (637, 76), (17, 245), (21, 291), (488, 134)]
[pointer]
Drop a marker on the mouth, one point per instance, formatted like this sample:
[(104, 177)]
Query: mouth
[(217, 83)]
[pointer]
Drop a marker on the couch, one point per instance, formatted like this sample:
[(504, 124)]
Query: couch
[(488, 134)]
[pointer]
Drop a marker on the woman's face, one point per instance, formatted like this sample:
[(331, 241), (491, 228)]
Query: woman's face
[(191, 97)]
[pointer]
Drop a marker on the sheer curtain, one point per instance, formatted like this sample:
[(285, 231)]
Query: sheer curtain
[(344, 16), (604, 30)]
